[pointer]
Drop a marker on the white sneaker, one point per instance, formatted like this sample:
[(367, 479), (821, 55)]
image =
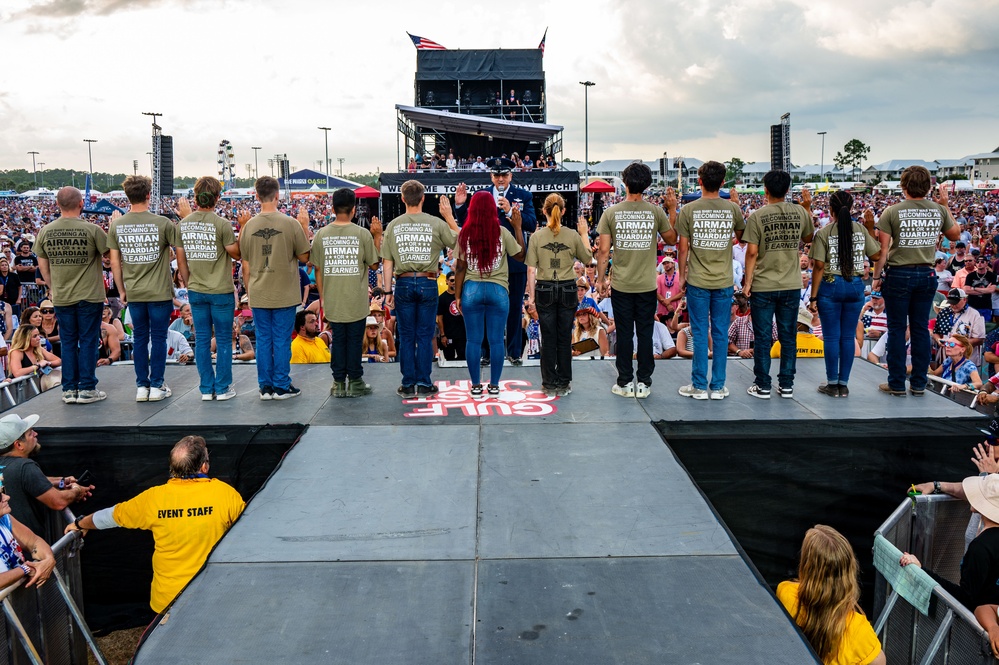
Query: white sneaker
[(207, 397), (142, 394), (627, 390), (719, 394), (642, 391), (229, 393), (157, 394), (691, 391), (756, 391)]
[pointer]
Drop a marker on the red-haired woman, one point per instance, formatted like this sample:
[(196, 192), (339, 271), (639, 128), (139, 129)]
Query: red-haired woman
[(482, 284)]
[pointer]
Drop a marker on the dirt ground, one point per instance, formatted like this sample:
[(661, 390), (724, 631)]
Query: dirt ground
[(118, 647)]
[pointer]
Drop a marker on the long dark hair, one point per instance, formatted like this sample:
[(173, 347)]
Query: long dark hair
[(840, 204), (480, 236)]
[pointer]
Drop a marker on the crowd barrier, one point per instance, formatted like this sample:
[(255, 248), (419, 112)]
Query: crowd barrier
[(46, 625), (16, 391), (932, 528)]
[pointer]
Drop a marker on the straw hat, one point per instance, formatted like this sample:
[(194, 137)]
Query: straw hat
[(983, 495)]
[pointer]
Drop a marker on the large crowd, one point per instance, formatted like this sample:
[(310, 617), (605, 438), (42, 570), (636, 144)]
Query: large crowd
[(906, 281)]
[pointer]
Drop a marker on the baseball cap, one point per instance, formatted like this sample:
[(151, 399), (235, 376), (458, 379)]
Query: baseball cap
[(956, 295), (12, 427)]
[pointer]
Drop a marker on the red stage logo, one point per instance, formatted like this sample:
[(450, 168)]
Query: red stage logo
[(516, 398)]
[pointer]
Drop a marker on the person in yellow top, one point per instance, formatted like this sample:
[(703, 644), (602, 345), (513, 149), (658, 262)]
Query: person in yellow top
[(809, 345), (825, 601), (187, 515), (308, 347)]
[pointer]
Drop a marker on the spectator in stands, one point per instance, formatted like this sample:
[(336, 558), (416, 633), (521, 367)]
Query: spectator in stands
[(410, 253), (583, 293), (450, 324), (957, 365), (28, 356), (343, 253), (37, 501), (385, 328), (910, 282), (110, 288), (873, 321), (271, 244), (107, 316), (209, 248), (825, 601), (182, 539), (177, 348), (451, 163), (588, 328), (11, 285), (960, 258), (482, 284), (663, 347), (740, 331), (6, 321), (943, 275), (374, 349), (25, 263), (837, 292), (308, 347), (109, 350), (142, 272), (550, 286), (240, 344), (668, 291), (507, 198), (49, 326), (479, 165), (957, 317), (15, 539), (980, 284), (706, 227)]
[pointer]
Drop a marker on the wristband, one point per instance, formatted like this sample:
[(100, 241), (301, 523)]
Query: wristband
[(77, 523), (812, 299), (936, 487), (26, 569)]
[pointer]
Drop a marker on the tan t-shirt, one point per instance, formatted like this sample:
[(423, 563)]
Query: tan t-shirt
[(143, 240), (914, 227), (341, 255), (73, 248), (633, 227), (777, 230), (709, 224), (205, 236), (554, 255), (271, 243), (825, 248), (499, 272), (413, 242)]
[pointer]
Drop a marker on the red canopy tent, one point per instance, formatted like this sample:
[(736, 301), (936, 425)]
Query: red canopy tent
[(597, 186), (366, 192)]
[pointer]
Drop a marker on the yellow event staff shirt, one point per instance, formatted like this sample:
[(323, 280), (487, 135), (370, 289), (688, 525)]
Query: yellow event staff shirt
[(306, 351), (187, 518)]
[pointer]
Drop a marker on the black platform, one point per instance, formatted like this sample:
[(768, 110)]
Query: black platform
[(545, 531)]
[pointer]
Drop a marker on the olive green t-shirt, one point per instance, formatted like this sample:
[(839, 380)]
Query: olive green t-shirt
[(777, 230), (413, 242), (205, 236), (499, 272), (143, 240), (73, 248), (708, 224), (825, 248), (271, 243), (914, 227), (633, 227), (341, 255), (554, 255)]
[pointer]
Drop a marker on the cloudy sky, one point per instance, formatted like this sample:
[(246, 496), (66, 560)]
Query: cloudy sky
[(702, 78)]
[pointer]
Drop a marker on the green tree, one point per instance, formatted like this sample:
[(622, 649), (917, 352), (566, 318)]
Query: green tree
[(854, 152), (733, 170)]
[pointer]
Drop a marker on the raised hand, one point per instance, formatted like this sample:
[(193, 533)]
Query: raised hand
[(376, 226), (461, 194), (243, 217), (733, 195), (670, 199), (444, 205), (183, 207), (806, 198)]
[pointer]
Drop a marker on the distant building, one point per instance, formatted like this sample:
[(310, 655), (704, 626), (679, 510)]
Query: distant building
[(986, 165), (892, 169)]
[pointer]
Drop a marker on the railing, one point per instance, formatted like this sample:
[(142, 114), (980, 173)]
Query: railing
[(45, 624), (932, 528), (15, 391)]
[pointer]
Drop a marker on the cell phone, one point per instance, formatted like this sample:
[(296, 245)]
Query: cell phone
[(83, 478)]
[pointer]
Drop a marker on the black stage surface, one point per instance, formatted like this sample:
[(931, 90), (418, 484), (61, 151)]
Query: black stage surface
[(520, 530)]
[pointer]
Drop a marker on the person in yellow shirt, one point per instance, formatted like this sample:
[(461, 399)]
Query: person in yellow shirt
[(308, 347), (825, 601), (187, 515), (809, 345)]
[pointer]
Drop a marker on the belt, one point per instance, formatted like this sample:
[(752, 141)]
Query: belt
[(429, 275), (914, 265)]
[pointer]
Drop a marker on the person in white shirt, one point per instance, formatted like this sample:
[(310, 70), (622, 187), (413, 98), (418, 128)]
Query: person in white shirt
[(663, 347), (177, 347)]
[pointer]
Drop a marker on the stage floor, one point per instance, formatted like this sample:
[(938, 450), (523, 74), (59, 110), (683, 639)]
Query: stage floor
[(526, 529)]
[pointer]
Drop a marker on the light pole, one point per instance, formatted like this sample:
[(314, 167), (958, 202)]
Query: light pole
[(326, 136), (586, 126), (822, 158), (42, 165), (256, 162), (90, 154), (341, 160), (34, 169)]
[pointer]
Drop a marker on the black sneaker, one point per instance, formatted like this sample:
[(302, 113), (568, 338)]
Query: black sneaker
[(843, 390), (516, 362), (286, 393), (427, 391), (786, 393), (476, 391), (266, 393), (406, 392), (484, 362), (492, 390)]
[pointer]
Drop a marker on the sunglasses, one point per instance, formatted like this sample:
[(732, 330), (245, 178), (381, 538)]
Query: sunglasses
[(47, 311), (951, 345)]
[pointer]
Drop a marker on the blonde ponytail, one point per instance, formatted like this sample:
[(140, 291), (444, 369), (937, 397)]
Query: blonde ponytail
[(554, 208)]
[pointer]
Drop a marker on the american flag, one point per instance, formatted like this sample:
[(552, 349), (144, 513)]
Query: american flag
[(542, 44), (424, 44)]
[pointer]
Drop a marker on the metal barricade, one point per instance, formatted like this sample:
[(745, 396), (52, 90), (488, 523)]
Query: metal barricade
[(16, 391), (32, 294), (46, 625), (932, 528)]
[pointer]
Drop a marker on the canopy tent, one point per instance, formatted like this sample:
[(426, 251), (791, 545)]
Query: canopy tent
[(306, 179), (103, 207), (597, 186), (445, 121), (366, 192)]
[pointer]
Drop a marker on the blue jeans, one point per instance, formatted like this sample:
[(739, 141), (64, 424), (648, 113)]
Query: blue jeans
[(839, 304), (908, 292), (764, 306), (704, 305), (416, 314), (484, 306), (345, 350), (149, 330), (80, 333), (213, 311), (274, 328)]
